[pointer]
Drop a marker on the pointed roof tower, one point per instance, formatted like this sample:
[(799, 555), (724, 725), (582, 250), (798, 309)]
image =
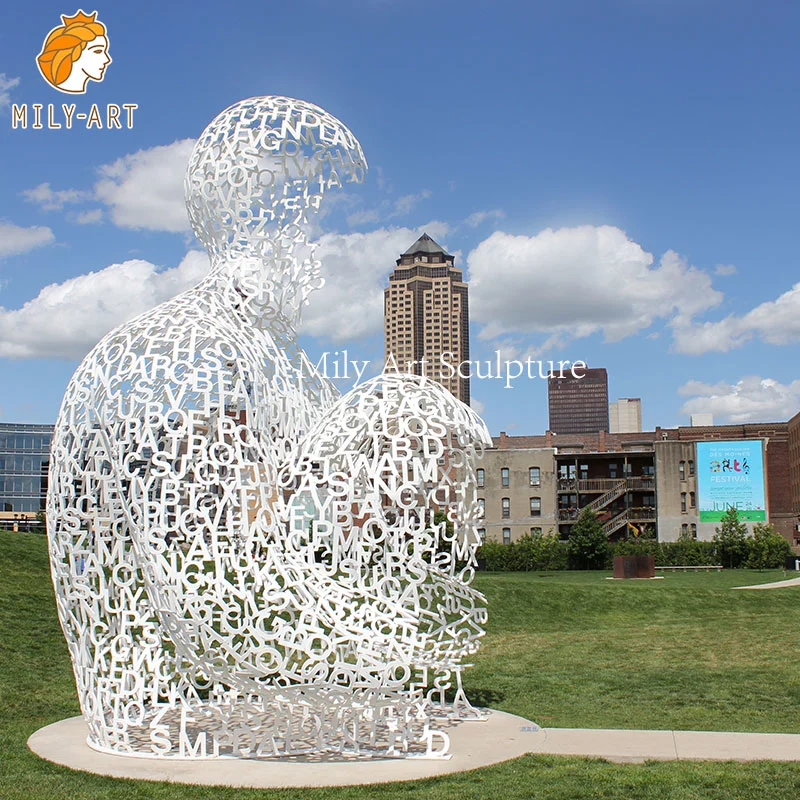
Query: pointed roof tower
[(425, 245)]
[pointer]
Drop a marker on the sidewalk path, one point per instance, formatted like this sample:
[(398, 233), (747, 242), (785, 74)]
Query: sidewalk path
[(775, 585), (623, 745)]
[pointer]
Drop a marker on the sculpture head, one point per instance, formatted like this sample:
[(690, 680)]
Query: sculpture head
[(260, 169), (75, 53), (255, 182)]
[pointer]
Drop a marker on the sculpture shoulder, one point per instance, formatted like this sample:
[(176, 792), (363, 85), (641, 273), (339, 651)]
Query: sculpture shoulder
[(172, 342)]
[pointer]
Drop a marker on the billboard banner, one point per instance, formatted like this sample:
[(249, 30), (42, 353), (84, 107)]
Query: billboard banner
[(731, 474)]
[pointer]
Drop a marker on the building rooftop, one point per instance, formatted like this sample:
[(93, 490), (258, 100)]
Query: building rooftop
[(603, 442), (425, 245)]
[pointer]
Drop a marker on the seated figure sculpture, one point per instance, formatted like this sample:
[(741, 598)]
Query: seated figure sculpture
[(246, 563)]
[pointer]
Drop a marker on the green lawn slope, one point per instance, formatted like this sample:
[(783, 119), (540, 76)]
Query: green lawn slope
[(565, 650)]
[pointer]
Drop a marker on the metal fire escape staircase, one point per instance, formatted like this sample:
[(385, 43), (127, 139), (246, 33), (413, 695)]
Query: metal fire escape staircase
[(617, 490), (615, 523)]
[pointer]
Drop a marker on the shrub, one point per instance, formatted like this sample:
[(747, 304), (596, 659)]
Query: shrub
[(527, 553), (495, 555), (768, 549), (551, 552)]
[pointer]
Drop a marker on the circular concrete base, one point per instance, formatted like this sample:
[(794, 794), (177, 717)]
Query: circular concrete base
[(472, 744)]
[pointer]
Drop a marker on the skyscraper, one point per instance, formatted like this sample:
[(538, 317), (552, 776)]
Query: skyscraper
[(625, 416), (578, 405), (426, 316)]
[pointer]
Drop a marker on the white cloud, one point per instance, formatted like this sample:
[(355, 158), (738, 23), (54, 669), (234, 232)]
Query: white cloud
[(363, 217), (51, 200), (573, 282), (774, 322), (408, 202), (725, 269), (145, 189), (15, 240), (6, 85), (478, 217), (477, 406), (89, 217), (752, 399), (355, 267), (66, 319), (389, 209)]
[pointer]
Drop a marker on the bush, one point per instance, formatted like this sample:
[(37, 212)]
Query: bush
[(587, 548), (495, 555), (768, 549), (551, 552), (588, 544), (527, 553)]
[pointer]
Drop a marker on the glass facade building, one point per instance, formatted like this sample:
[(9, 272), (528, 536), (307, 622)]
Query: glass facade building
[(24, 464)]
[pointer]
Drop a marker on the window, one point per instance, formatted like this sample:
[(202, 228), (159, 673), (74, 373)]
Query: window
[(482, 534), (684, 529), (536, 532), (481, 507), (693, 529), (682, 470), (481, 474), (536, 506), (504, 476), (612, 470), (683, 502), (584, 472), (691, 467), (506, 535), (506, 506), (534, 476), (691, 500)]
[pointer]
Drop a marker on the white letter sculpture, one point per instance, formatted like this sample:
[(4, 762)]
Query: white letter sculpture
[(245, 563)]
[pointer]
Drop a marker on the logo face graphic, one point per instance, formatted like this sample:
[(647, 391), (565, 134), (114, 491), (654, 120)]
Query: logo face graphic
[(75, 53)]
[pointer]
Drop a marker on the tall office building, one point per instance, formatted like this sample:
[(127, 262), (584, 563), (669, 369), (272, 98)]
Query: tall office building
[(625, 416), (578, 405), (426, 316)]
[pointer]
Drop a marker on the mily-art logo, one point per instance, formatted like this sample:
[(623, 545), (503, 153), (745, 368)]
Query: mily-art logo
[(73, 54)]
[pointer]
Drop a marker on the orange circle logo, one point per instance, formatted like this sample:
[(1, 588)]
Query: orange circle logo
[(75, 53)]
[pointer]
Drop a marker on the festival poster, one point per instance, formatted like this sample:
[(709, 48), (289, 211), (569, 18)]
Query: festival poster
[(731, 474)]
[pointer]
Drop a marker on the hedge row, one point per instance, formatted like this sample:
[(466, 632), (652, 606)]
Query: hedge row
[(549, 553)]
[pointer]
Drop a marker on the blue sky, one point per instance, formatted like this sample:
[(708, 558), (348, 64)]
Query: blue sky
[(618, 178)]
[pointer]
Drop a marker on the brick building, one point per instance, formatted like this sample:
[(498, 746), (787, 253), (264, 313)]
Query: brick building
[(633, 481), (794, 472)]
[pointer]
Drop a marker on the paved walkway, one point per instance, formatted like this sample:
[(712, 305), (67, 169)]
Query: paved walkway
[(774, 585), (473, 745), (633, 745)]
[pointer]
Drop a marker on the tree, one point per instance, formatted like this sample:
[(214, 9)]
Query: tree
[(731, 539), (768, 549), (588, 543)]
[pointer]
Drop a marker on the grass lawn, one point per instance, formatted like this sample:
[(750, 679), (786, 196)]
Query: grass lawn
[(563, 649)]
